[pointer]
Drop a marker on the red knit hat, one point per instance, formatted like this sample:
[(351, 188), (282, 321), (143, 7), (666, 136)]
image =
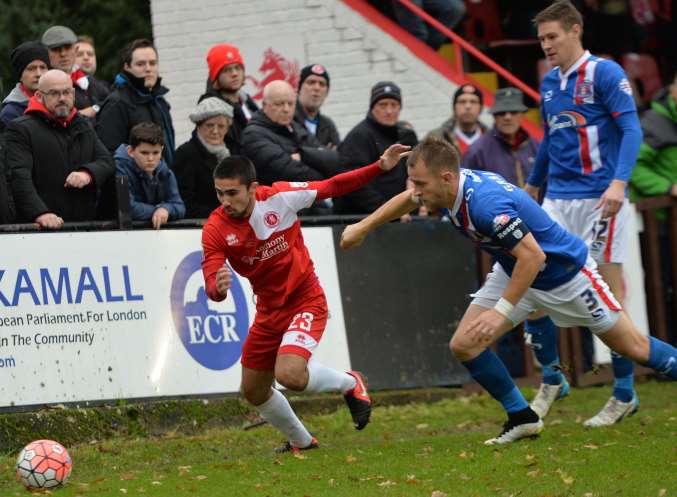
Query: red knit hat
[(220, 56)]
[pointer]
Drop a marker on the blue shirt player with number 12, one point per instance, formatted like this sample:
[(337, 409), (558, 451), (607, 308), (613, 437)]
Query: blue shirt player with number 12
[(592, 137)]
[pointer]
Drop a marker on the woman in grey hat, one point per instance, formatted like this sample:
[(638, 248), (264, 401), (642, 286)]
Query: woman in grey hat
[(196, 159)]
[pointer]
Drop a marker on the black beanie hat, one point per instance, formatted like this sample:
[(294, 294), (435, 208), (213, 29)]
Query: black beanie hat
[(384, 89), (313, 69), (468, 89), (26, 53)]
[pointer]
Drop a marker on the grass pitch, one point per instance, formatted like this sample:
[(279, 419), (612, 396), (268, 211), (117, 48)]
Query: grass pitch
[(426, 450)]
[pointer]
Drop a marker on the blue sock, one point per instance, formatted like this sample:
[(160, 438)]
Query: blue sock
[(544, 336), (623, 377), (490, 372), (662, 358)]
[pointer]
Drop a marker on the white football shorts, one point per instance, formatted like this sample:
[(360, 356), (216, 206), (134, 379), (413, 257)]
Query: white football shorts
[(585, 300), (607, 239)]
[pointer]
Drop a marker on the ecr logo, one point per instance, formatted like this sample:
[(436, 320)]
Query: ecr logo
[(213, 333)]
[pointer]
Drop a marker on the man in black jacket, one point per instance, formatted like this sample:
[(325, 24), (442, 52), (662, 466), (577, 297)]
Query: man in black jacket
[(367, 141), (55, 159), (89, 93), (313, 90), (138, 96), (226, 79), (281, 149)]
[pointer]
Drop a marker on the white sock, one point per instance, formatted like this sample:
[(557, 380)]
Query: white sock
[(278, 412), (324, 379)]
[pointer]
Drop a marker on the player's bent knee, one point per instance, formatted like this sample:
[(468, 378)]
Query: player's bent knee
[(292, 378), (462, 349), (255, 395)]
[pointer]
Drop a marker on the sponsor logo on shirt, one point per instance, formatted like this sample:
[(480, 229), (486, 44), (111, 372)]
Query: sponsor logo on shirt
[(517, 234), (567, 119), (271, 248), (299, 184), (271, 218)]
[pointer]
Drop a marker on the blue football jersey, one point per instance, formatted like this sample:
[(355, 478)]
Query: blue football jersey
[(584, 111), (497, 215)]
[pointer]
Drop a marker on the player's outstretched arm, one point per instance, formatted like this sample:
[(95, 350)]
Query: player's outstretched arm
[(394, 208), (350, 181)]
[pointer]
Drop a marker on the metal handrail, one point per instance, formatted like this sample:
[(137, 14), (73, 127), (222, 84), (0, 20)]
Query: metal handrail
[(467, 46)]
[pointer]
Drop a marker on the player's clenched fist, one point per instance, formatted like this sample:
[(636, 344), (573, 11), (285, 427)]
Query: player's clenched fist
[(352, 236), (223, 279)]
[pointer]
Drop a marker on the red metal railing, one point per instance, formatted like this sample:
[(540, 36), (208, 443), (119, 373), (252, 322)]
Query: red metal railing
[(460, 43)]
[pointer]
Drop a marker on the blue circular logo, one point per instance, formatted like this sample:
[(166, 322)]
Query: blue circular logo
[(212, 332)]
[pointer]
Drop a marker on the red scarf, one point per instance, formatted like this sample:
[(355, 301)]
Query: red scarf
[(79, 78), (34, 105)]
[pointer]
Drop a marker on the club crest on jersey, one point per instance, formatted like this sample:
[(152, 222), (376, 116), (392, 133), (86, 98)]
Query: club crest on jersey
[(584, 90), (500, 221), (271, 218)]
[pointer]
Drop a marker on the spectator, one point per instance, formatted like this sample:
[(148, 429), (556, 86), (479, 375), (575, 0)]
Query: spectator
[(447, 12), (463, 128), (153, 192), (89, 93), (281, 149), (138, 96), (367, 141), (85, 58), (54, 157), (6, 200), (226, 79), (196, 159), (313, 90), (30, 60), (656, 170), (507, 149)]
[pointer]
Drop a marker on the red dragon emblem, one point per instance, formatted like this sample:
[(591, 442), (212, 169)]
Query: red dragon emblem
[(275, 67)]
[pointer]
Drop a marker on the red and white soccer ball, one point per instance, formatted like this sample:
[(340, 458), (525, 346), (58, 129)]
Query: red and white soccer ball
[(43, 464)]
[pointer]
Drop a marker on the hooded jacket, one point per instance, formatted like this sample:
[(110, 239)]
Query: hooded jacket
[(193, 167), (146, 193), (41, 151), (13, 106), (364, 144), (656, 168), (233, 138), (270, 146), (131, 103)]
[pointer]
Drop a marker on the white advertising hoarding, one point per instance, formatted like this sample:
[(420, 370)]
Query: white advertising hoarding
[(111, 315)]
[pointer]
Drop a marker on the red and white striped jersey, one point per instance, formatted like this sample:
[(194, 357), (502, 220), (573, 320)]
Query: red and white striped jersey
[(267, 247)]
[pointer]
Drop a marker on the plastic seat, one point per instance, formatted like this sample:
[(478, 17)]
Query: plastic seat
[(482, 24), (643, 71)]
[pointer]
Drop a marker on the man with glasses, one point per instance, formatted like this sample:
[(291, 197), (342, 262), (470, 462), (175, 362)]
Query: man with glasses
[(55, 159)]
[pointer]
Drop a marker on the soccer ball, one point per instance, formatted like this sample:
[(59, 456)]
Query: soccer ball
[(43, 464)]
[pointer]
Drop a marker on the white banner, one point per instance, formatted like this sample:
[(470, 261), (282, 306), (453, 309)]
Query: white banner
[(112, 315)]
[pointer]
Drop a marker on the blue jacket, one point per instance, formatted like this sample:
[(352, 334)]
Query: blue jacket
[(147, 194)]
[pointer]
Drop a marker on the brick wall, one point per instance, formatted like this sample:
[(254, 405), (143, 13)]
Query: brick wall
[(356, 53)]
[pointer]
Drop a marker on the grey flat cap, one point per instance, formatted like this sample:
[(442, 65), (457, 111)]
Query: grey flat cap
[(508, 100), (58, 36), (211, 107)]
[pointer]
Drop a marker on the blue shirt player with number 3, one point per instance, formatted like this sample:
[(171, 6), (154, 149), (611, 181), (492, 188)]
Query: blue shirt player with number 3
[(539, 267)]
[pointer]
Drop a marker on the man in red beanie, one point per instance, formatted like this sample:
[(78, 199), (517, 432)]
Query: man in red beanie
[(226, 79)]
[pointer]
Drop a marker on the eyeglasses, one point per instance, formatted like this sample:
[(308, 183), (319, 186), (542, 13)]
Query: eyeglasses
[(214, 126), (59, 93)]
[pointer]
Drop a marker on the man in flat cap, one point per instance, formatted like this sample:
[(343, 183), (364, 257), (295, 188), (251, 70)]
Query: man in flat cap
[(89, 93)]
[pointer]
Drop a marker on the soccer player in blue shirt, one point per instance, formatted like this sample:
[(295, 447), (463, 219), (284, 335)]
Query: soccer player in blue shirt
[(539, 266), (592, 137)]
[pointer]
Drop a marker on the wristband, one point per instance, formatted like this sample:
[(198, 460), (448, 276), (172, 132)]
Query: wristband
[(504, 307)]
